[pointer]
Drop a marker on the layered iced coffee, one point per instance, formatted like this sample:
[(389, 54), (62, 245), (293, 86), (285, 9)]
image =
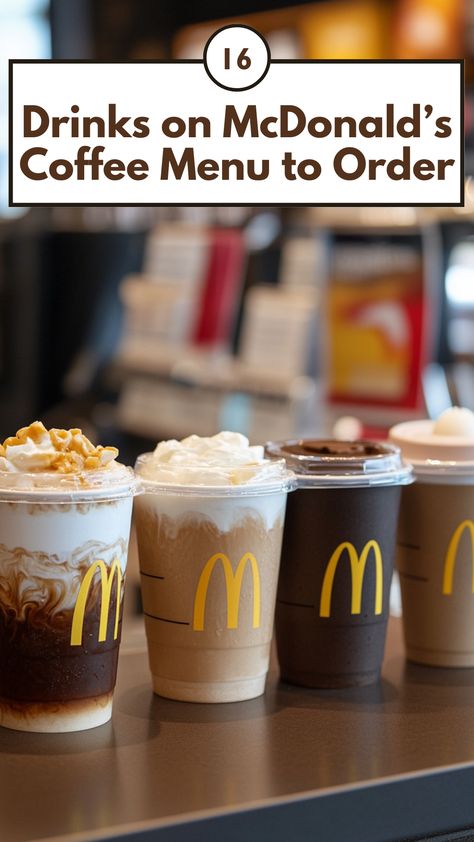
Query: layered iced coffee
[(209, 533), (65, 508)]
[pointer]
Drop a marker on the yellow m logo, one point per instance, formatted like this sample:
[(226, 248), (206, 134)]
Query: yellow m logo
[(357, 571), (106, 582), (233, 583), (451, 555)]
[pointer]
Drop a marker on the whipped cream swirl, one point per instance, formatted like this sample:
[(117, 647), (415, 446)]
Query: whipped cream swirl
[(223, 459)]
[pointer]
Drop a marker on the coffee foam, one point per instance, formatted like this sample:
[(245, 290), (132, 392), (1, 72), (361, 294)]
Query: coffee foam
[(225, 459)]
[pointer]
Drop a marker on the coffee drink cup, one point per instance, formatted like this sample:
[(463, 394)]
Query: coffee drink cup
[(435, 553), (209, 529), (337, 560), (63, 554)]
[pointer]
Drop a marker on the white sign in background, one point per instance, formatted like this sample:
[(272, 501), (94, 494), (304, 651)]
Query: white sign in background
[(158, 91)]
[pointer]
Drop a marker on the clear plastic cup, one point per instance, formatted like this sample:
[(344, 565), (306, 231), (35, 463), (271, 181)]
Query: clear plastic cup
[(209, 560), (337, 560), (63, 556)]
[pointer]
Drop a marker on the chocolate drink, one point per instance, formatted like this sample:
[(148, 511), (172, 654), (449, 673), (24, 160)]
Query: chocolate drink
[(337, 561), (39, 664)]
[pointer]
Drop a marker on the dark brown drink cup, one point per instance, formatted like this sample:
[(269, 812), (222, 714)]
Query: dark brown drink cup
[(337, 560)]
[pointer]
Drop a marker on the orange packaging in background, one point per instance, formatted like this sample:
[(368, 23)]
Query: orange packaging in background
[(376, 324), (429, 29), (358, 29), (345, 30), (279, 27)]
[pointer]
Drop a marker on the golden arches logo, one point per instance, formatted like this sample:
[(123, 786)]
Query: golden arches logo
[(452, 552), (358, 564), (106, 582), (233, 583)]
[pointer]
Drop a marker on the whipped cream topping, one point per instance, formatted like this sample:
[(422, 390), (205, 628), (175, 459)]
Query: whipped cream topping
[(223, 459), (34, 448), (455, 421)]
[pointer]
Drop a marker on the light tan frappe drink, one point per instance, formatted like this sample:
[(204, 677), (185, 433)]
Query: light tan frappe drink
[(435, 555), (209, 529), (65, 509)]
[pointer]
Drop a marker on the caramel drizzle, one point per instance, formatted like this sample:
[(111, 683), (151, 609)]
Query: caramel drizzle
[(32, 591)]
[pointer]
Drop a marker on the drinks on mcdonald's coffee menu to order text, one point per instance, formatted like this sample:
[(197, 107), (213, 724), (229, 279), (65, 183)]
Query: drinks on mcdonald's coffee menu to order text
[(337, 560), (65, 509), (435, 553), (209, 529)]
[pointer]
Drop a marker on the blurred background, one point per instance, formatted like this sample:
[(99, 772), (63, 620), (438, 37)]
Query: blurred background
[(139, 324)]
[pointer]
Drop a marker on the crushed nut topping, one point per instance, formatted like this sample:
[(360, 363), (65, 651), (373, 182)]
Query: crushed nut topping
[(65, 451)]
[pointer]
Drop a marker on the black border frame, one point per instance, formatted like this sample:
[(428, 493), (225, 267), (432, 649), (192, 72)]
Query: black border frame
[(13, 204)]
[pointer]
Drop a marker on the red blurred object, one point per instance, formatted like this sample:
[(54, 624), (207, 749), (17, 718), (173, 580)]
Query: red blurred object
[(221, 288), (371, 433)]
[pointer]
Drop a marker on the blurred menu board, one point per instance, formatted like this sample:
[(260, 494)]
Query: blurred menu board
[(277, 335), (177, 252), (377, 319), (186, 296)]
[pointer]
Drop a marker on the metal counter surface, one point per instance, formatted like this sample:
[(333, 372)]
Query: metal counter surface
[(372, 764)]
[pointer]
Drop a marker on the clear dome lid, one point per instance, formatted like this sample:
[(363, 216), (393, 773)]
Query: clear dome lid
[(328, 463), (107, 483)]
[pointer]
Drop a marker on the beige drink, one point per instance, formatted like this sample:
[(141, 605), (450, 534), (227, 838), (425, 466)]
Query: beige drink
[(435, 555), (209, 560), (64, 531)]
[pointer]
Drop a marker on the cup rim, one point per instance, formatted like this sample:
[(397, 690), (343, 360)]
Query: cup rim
[(430, 455), (437, 472), (283, 483), (52, 487)]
